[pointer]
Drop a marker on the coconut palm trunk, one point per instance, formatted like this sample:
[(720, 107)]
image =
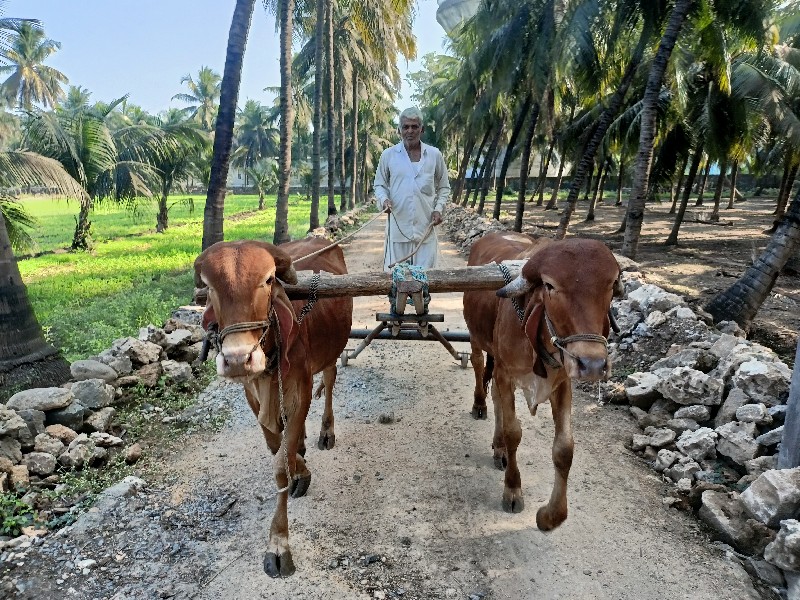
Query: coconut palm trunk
[(285, 158), (223, 137), (26, 359), (672, 240), (543, 172), (597, 135), (741, 301), (524, 168), (458, 186), (512, 142), (330, 139), (734, 176), (701, 188), (723, 168), (647, 134), (475, 165), (316, 144), (354, 137)]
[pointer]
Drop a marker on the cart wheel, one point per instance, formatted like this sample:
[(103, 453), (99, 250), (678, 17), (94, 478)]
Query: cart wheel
[(343, 359), (464, 360)]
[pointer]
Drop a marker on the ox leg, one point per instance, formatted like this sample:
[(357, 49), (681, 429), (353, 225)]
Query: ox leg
[(499, 440), (481, 370), (511, 434), (554, 512), (327, 436)]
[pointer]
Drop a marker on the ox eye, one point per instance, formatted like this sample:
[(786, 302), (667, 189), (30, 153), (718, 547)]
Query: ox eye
[(549, 287), (269, 280)]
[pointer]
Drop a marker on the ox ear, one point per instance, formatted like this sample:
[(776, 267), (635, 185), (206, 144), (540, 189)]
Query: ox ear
[(618, 289), (283, 263), (532, 324), (288, 325), (209, 316)]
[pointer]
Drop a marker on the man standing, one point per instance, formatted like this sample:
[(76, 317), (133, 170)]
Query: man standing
[(411, 181)]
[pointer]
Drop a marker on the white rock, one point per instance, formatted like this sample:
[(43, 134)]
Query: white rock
[(774, 496), (698, 444)]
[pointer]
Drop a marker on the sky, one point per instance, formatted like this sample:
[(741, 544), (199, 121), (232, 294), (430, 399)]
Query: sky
[(144, 47)]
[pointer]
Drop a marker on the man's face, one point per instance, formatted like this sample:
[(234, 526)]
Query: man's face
[(410, 131)]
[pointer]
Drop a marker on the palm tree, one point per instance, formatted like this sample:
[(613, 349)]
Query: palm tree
[(204, 93), (108, 163), (26, 358), (181, 142), (31, 81), (223, 138), (264, 173), (256, 137), (285, 8)]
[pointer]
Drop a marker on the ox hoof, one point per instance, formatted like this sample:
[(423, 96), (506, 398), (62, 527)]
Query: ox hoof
[(300, 486), (278, 566), (513, 502), (500, 460), (326, 441), (479, 412), (546, 520)]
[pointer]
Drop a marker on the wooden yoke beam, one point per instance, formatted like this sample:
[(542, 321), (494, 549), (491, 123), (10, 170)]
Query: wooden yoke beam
[(464, 279)]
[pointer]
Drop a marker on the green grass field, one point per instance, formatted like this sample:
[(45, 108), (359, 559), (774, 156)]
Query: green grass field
[(132, 276)]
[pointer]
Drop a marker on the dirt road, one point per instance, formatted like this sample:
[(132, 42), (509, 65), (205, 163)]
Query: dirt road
[(412, 509)]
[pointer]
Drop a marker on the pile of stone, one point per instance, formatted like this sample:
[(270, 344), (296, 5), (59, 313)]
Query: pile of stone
[(45, 430), (712, 411), (464, 226)]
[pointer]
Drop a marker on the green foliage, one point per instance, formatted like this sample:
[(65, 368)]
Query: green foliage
[(14, 514), (133, 276), (86, 484)]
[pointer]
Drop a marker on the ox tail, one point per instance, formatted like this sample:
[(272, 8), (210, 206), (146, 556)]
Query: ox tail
[(487, 372)]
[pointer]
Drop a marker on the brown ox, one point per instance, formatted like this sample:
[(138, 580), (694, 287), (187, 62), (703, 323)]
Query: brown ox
[(563, 294), (262, 345)]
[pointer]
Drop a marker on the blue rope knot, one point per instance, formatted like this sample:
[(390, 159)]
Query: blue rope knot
[(401, 272)]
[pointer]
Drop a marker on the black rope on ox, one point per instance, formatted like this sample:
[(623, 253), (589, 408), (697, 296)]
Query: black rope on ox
[(514, 302), (312, 298)]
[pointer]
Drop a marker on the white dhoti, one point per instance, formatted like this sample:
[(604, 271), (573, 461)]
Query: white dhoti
[(426, 256)]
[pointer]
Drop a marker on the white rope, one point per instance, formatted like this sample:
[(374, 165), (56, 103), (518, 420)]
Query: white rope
[(337, 242)]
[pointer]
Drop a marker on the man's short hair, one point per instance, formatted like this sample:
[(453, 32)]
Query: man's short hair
[(412, 114)]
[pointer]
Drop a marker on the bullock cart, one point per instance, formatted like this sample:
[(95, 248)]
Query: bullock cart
[(397, 323)]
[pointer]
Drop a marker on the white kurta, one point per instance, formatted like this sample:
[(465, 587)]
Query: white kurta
[(416, 191)]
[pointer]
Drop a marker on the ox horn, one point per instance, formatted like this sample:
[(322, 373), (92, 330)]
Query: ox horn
[(288, 275), (518, 287)]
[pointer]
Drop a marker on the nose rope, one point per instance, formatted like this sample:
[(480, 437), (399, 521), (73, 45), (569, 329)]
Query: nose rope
[(219, 338), (561, 343)]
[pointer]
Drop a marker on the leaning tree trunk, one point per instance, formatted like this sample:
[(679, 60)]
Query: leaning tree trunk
[(620, 179), (512, 142), (647, 134), (734, 176), (223, 135), (475, 165), (676, 190), (672, 240), (26, 359), (488, 168), (330, 141), (317, 115), (741, 301), (599, 183), (599, 132), (458, 185), (545, 166), (552, 204), (701, 188), (523, 168), (723, 168), (285, 160)]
